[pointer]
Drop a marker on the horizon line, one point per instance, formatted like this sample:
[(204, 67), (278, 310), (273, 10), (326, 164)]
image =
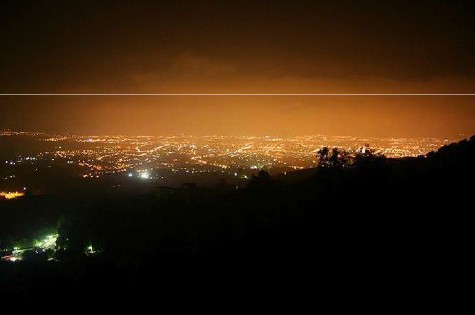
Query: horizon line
[(53, 133), (237, 94)]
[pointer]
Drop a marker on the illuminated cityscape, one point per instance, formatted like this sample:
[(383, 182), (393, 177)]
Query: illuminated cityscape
[(252, 151), (156, 158)]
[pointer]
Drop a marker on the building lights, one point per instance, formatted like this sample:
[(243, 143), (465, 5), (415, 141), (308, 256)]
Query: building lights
[(139, 156), (144, 175), (11, 195)]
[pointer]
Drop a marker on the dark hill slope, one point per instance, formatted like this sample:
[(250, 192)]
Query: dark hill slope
[(384, 223)]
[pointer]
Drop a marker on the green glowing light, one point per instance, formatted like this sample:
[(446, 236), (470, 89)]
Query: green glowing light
[(49, 242)]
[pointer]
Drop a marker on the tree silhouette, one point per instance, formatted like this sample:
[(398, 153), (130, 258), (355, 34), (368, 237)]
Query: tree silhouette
[(335, 158), (332, 158), (322, 156)]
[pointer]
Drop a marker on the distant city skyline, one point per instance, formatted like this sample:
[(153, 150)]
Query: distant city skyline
[(26, 132)]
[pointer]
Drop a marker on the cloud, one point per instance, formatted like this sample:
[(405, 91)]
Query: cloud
[(192, 73), (190, 64)]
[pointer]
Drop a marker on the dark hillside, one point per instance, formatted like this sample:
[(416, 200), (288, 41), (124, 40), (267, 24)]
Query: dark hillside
[(380, 220)]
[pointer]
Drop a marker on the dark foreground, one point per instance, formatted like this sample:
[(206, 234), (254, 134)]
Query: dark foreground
[(377, 227)]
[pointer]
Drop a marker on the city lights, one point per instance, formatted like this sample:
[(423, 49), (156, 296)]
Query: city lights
[(145, 175), (11, 195), (41, 246), (237, 156)]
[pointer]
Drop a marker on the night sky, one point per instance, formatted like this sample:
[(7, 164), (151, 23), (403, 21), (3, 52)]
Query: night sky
[(239, 47)]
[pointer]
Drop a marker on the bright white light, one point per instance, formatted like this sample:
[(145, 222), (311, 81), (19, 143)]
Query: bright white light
[(145, 175), (130, 174)]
